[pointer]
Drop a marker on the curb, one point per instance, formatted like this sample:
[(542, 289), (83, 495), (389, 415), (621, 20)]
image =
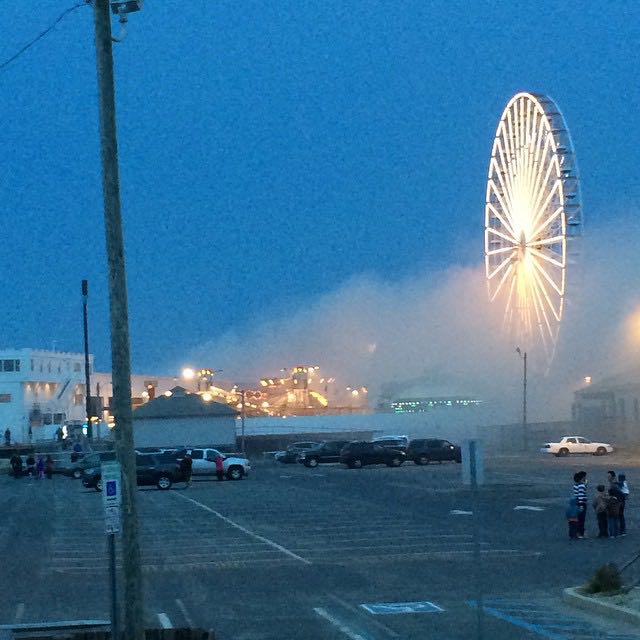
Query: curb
[(598, 606)]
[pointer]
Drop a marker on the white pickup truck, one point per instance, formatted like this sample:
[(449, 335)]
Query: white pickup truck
[(576, 444), (204, 463)]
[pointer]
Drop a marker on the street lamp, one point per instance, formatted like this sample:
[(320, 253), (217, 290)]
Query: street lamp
[(523, 355)]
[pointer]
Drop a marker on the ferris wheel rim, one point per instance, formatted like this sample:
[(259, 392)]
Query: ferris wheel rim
[(532, 203)]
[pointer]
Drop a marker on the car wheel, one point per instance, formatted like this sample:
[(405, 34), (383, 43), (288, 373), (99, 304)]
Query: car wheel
[(601, 451), (422, 459), (235, 473), (563, 452), (76, 474), (355, 463), (98, 486), (395, 462), (163, 483), (312, 462)]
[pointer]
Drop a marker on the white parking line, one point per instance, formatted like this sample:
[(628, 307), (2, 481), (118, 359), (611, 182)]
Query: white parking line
[(526, 507), (185, 613), (271, 543), (165, 623), (460, 512), (339, 625)]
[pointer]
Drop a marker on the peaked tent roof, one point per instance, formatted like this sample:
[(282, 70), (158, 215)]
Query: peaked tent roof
[(182, 404)]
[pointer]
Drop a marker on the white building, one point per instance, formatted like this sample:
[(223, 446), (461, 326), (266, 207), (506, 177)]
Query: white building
[(39, 391)]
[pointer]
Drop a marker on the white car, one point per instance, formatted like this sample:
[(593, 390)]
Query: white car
[(576, 444), (204, 463)]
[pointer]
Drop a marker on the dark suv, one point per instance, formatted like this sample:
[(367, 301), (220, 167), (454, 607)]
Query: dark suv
[(424, 451), (359, 454), (150, 470), (324, 452)]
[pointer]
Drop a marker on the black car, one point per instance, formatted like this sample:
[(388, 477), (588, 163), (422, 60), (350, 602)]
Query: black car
[(150, 470), (426, 450), (323, 452), (291, 453), (358, 454)]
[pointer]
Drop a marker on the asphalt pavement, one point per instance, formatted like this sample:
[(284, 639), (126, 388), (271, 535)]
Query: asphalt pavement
[(330, 553)]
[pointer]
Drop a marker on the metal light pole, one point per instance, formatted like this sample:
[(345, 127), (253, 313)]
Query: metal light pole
[(87, 374), (133, 627), (242, 395), (525, 439)]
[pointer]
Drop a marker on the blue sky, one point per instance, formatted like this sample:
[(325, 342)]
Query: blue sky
[(273, 152)]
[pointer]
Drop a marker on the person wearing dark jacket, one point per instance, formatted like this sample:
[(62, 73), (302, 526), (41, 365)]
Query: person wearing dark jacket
[(16, 465), (186, 465)]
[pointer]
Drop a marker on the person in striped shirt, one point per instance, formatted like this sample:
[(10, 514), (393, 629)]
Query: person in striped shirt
[(580, 494)]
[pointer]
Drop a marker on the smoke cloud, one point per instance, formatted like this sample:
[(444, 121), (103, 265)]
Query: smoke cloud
[(436, 334)]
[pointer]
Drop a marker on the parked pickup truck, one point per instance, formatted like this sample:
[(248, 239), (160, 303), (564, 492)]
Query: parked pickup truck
[(204, 462), (576, 444), (322, 452)]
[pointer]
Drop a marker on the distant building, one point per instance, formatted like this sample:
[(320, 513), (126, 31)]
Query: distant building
[(180, 419), (611, 406), (422, 405), (40, 391)]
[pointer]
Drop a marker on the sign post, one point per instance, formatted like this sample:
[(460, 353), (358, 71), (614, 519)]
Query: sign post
[(111, 477)]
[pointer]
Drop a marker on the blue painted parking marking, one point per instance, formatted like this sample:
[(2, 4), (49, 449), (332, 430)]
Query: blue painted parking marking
[(388, 608), (547, 623)]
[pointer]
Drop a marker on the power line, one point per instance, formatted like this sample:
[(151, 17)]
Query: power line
[(61, 17)]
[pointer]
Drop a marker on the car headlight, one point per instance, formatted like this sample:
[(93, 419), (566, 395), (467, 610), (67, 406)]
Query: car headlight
[(91, 472)]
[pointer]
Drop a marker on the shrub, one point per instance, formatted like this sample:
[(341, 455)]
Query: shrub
[(605, 580)]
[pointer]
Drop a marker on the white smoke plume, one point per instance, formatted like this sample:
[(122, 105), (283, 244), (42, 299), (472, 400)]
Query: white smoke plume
[(436, 334)]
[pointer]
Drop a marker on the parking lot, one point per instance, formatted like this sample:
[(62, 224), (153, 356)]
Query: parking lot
[(328, 553)]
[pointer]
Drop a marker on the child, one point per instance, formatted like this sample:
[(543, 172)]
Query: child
[(600, 507), (624, 489), (572, 517), (613, 513)]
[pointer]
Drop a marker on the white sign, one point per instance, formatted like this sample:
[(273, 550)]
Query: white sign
[(111, 476), (112, 519)]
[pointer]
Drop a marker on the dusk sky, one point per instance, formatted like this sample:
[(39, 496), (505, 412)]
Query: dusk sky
[(281, 159)]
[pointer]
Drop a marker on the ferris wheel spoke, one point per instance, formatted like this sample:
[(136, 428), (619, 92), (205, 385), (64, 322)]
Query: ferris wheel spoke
[(559, 288), (506, 188), (545, 295), (505, 275), (506, 262), (538, 204), (504, 165), (544, 256), (495, 252), (542, 174), (545, 241), (538, 230), (503, 206), (508, 307), (498, 215), (504, 236)]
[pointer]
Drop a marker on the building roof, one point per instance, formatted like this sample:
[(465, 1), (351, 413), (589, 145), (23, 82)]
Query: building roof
[(182, 404)]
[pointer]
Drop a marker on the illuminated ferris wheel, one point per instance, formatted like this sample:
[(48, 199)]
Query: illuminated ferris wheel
[(533, 219)]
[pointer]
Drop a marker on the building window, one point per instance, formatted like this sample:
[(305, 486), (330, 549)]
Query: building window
[(58, 418), (8, 365), (33, 365), (5, 397)]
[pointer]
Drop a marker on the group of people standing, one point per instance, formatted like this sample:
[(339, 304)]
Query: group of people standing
[(608, 503), (32, 468), (186, 468)]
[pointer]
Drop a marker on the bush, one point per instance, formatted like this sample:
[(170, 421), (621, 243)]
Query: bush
[(605, 580)]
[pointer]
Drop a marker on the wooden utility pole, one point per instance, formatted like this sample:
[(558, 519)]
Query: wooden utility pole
[(133, 627)]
